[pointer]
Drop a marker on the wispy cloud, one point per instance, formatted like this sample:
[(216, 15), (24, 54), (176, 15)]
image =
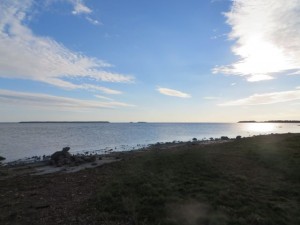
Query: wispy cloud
[(214, 1), (25, 55), (217, 36), (93, 21), (267, 38), (211, 98), (80, 7), (103, 97), (267, 98), (51, 101), (174, 93), (99, 88)]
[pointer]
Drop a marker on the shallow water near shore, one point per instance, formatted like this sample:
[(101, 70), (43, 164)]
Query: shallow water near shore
[(20, 140)]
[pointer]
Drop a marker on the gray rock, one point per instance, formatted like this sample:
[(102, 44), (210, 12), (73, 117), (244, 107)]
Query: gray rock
[(90, 159), (60, 158), (238, 137), (63, 157), (224, 138)]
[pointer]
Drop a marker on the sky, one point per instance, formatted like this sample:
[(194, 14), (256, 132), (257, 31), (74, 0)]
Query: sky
[(153, 61)]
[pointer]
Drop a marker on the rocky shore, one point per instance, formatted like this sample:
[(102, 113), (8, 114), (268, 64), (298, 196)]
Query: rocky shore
[(64, 161), (59, 162)]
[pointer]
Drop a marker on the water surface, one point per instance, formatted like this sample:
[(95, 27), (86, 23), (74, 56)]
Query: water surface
[(19, 140)]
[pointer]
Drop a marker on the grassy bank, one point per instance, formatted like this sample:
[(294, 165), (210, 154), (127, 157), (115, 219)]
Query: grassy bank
[(248, 181)]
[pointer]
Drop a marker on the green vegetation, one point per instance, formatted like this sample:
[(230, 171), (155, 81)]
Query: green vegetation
[(248, 181)]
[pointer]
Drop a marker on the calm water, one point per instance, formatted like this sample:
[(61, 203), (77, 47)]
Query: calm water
[(23, 140)]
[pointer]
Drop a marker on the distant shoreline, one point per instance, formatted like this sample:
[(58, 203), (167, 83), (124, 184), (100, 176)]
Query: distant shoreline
[(64, 122), (270, 121)]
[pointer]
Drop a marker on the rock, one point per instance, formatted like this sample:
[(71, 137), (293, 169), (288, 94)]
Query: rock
[(63, 157), (66, 161), (59, 157), (79, 159), (66, 149), (90, 159), (224, 138), (40, 205), (2, 158)]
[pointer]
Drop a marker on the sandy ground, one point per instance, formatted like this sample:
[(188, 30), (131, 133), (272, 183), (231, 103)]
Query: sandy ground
[(42, 168)]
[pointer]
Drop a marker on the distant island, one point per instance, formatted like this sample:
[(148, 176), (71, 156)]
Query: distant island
[(270, 121), (247, 121), (64, 122)]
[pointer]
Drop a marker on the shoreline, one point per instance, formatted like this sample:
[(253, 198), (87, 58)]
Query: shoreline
[(25, 142), (106, 151), (137, 147), (39, 165)]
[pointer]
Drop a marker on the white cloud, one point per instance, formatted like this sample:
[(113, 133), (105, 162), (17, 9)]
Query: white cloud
[(267, 98), (79, 7), (51, 101), (24, 55), (267, 38), (174, 93)]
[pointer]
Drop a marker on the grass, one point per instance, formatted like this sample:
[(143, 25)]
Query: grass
[(249, 181)]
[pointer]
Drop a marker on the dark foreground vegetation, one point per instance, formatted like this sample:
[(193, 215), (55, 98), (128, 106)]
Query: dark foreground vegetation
[(247, 181)]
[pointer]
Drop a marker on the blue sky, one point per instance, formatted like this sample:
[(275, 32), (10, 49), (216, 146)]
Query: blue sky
[(155, 61)]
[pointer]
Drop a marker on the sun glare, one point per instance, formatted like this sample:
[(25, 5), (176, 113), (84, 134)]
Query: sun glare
[(261, 57), (260, 127)]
